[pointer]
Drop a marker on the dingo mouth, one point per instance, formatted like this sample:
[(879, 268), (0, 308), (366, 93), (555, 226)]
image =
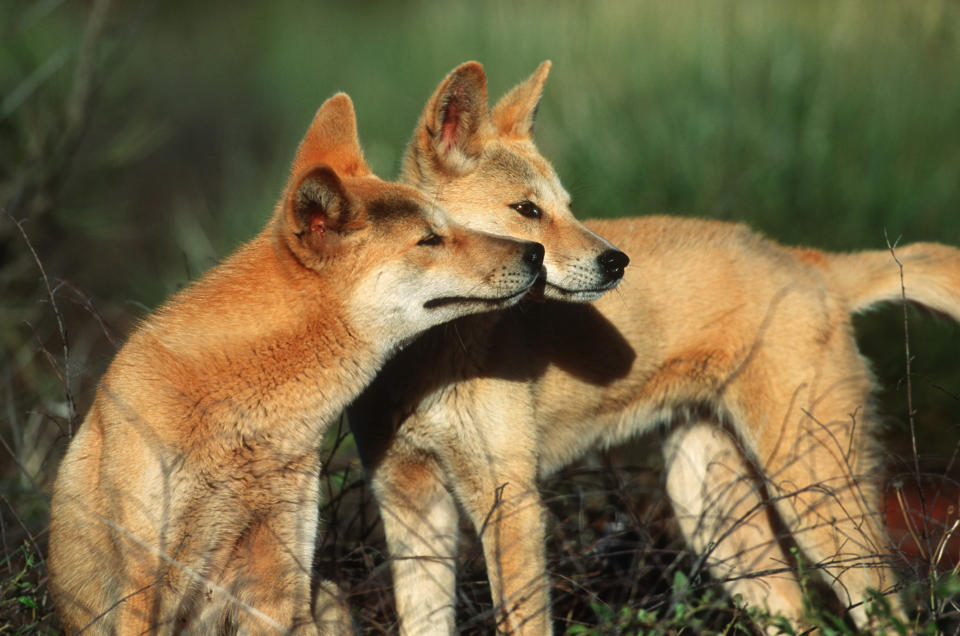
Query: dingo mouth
[(468, 300), (581, 295)]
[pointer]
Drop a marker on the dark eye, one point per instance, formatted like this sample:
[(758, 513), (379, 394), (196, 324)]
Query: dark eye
[(431, 239), (528, 209)]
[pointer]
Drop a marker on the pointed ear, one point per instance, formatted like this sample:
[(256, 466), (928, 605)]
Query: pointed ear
[(451, 128), (514, 114), (332, 139), (317, 208)]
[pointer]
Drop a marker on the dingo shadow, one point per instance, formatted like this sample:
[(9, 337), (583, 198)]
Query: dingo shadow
[(519, 344), (576, 338)]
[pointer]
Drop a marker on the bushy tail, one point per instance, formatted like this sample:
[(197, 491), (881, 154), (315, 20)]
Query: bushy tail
[(931, 277)]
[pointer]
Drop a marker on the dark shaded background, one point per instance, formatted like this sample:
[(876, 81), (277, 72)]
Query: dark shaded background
[(140, 142)]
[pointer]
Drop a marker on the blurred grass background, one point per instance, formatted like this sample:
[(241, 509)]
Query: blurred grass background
[(140, 142)]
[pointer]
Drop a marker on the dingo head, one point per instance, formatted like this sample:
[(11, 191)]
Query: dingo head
[(398, 261), (484, 168)]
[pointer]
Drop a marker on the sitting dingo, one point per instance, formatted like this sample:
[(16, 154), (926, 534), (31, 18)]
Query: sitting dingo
[(740, 348), (188, 499)]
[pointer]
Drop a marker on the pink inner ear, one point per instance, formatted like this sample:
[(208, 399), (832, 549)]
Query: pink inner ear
[(318, 222), (451, 121)]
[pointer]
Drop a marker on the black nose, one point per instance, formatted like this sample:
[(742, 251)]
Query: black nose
[(612, 263), (533, 257)]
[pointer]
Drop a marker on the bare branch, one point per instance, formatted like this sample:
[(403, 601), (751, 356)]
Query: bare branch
[(65, 377)]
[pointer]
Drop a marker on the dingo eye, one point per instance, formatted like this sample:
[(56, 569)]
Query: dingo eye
[(431, 239), (528, 209)]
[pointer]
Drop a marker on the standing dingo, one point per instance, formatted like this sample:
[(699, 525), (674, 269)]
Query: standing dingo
[(741, 349), (188, 499)]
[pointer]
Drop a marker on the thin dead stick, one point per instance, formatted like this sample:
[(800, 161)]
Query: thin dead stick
[(497, 500), (909, 372), (945, 539), (65, 378), (87, 303), (906, 346), (23, 470), (909, 523), (30, 536)]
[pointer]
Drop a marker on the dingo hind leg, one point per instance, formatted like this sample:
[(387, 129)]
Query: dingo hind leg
[(724, 516), (815, 451)]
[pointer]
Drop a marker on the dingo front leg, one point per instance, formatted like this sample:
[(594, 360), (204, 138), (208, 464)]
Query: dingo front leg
[(509, 517), (420, 522), (267, 584)]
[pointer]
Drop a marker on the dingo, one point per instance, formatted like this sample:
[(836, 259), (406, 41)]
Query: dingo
[(188, 499), (740, 348)]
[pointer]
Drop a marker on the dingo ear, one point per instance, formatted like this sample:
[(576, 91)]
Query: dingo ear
[(317, 210), (451, 127), (515, 113), (332, 139)]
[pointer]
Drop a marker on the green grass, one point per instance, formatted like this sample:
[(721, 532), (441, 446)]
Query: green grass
[(818, 123)]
